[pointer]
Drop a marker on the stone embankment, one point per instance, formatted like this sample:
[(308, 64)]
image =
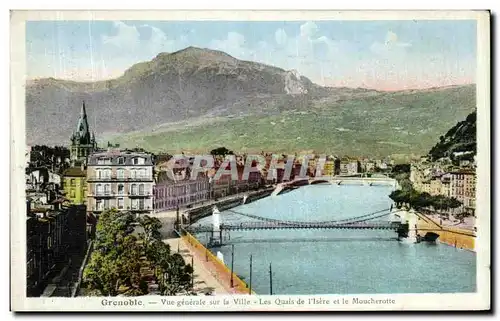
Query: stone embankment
[(205, 209), (457, 237)]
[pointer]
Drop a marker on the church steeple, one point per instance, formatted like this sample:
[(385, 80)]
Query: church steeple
[(83, 112), (82, 129), (82, 141)]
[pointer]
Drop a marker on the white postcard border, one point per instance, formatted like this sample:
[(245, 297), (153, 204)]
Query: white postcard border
[(474, 301)]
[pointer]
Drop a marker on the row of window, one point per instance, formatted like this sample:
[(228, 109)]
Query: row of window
[(120, 160), (120, 173), (134, 204), (178, 190), (174, 202), (135, 189)]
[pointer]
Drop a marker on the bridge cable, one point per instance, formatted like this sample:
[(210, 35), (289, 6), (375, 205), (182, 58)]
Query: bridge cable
[(354, 219)]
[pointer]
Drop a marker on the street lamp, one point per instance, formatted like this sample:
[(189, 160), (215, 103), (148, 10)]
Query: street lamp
[(232, 264)]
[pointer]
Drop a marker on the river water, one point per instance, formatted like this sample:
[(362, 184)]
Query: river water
[(339, 261)]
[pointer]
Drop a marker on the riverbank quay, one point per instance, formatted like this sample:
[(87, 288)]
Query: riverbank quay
[(204, 280), (205, 209), (215, 266), (456, 237), (209, 261)]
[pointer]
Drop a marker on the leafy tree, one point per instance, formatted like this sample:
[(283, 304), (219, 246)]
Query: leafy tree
[(401, 168), (151, 226), (117, 264), (176, 276), (221, 151)]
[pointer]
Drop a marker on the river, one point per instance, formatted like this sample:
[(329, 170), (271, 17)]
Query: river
[(339, 261)]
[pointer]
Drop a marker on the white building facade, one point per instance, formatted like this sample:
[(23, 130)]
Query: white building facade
[(122, 180)]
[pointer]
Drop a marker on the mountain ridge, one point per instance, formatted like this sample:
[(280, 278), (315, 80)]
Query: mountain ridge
[(196, 83)]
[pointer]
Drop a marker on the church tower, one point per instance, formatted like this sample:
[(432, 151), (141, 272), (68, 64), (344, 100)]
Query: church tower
[(82, 142)]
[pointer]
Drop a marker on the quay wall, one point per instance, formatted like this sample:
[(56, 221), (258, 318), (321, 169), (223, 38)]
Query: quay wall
[(363, 181), (218, 269), (200, 212), (459, 238)]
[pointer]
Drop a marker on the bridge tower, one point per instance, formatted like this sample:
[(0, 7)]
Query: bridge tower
[(216, 238), (409, 221)]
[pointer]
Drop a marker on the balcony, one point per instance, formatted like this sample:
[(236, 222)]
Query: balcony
[(104, 194), (120, 194), (145, 209), (140, 195), (115, 178)]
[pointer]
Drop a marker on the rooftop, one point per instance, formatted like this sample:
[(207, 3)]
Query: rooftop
[(74, 171), (119, 157)]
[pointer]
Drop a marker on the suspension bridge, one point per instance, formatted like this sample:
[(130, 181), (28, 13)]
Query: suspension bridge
[(371, 221)]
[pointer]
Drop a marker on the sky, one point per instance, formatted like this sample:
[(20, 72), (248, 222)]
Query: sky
[(384, 55)]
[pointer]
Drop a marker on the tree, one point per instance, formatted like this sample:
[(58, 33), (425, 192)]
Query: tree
[(221, 151), (174, 275), (117, 264), (151, 226), (101, 274), (401, 168), (454, 203)]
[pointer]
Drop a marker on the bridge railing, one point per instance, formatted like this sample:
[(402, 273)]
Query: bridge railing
[(222, 273)]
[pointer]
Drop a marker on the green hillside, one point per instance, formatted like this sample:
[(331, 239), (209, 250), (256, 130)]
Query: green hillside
[(408, 122), (460, 138)]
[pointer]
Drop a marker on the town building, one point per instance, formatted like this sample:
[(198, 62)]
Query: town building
[(53, 236), (367, 166), (172, 191), (121, 180), (463, 188), (82, 141), (440, 179), (349, 166), (329, 168), (75, 185)]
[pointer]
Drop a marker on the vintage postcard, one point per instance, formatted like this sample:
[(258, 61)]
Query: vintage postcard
[(250, 160)]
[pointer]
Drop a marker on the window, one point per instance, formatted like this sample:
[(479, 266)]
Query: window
[(133, 190), (141, 189), (98, 205), (120, 203), (120, 189), (107, 189), (138, 161), (72, 182), (99, 189), (121, 160), (106, 204), (120, 173), (72, 193), (104, 161), (141, 204)]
